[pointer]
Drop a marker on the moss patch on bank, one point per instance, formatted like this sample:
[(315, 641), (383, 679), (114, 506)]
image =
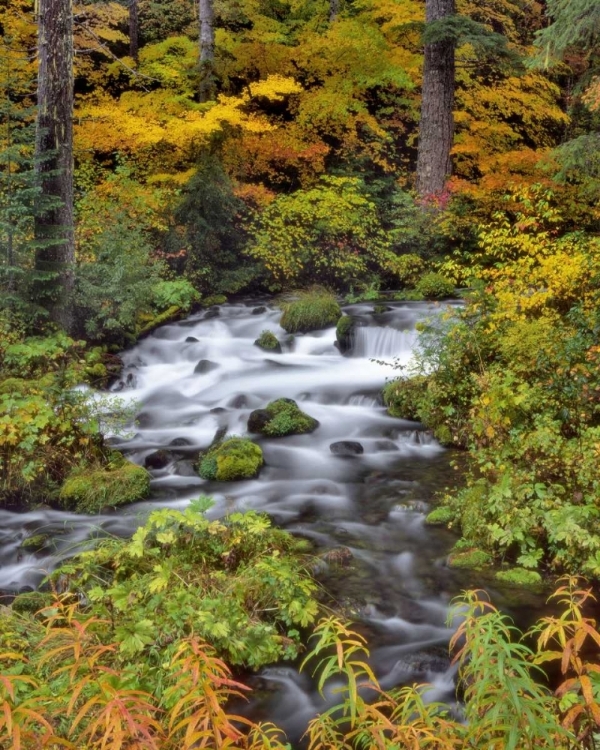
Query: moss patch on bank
[(91, 490)]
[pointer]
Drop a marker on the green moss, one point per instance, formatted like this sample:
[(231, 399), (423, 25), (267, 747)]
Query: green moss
[(155, 321), (473, 558), (441, 516), (30, 602), (234, 459), (314, 310), (344, 326), (520, 577), (35, 543), (433, 285), (268, 341), (213, 299), (280, 418), (89, 491), (403, 396)]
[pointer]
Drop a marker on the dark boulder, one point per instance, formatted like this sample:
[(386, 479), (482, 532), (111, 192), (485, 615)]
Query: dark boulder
[(158, 459), (258, 420), (191, 340), (346, 448), (204, 366)]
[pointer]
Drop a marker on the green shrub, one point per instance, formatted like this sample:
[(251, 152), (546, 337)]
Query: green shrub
[(175, 292), (232, 460), (313, 310), (433, 285), (404, 395), (407, 268), (89, 490)]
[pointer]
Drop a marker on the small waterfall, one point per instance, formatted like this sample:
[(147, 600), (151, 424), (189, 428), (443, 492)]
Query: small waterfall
[(382, 343)]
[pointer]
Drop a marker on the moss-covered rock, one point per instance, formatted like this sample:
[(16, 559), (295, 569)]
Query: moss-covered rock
[(403, 396), (280, 418), (441, 516), (470, 559), (312, 311), (91, 490), (35, 543), (150, 323), (31, 602), (344, 333), (232, 460), (520, 577), (269, 342), (213, 299)]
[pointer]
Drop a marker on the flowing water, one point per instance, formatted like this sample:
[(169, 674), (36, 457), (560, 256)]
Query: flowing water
[(203, 376)]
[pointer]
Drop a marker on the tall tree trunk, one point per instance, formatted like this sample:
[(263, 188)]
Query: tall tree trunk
[(133, 30), (437, 124), (207, 50), (54, 159), (334, 10)]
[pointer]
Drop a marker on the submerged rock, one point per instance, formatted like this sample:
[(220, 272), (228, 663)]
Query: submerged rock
[(191, 340), (204, 366), (346, 448)]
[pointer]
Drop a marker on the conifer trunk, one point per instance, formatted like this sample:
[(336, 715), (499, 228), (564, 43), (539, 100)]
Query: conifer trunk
[(54, 159), (133, 30), (334, 10), (437, 123), (207, 50)]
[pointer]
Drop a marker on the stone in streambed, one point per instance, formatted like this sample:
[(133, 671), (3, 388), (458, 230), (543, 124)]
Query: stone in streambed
[(268, 342), (191, 340), (158, 459), (346, 448), (204, 366), (232, 460)]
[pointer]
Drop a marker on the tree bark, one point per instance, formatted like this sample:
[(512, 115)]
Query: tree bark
[(134, 32), (55, 254), (334, 10), (437, 123), (207, 50)]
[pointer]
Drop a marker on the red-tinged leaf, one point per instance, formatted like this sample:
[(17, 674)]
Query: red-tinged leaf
[(586, 689), (572, 715)]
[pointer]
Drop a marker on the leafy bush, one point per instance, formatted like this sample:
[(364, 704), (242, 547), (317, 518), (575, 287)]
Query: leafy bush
[(314, 309), (175, 292), (407, 268), (328, 234), (232, 460), (403, 396), (433, 285)]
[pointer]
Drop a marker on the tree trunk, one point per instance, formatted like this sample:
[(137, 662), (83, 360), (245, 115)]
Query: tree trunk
[(437, 124), (55, 254), (207, 50), (334, 10), (133, 30)]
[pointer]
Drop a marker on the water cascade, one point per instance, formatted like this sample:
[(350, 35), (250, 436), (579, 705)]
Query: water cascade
[(204, 375)]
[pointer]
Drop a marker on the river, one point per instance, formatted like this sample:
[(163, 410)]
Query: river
[(203, 375)]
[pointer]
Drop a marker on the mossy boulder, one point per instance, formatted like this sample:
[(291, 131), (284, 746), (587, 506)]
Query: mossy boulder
[(280, 418), (232, 460), (35, 543), (30, 602), (91, 490), (344, 333), (472, 559), (520, 577), (404, 395), (269, 342), (312, 311), (441, 516)]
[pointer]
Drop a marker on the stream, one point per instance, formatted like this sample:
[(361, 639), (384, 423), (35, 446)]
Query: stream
[(203, 375)]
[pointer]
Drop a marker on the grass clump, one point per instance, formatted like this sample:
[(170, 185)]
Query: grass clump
[(313, 310), (280, 418), (232, 460), (89, 491)]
